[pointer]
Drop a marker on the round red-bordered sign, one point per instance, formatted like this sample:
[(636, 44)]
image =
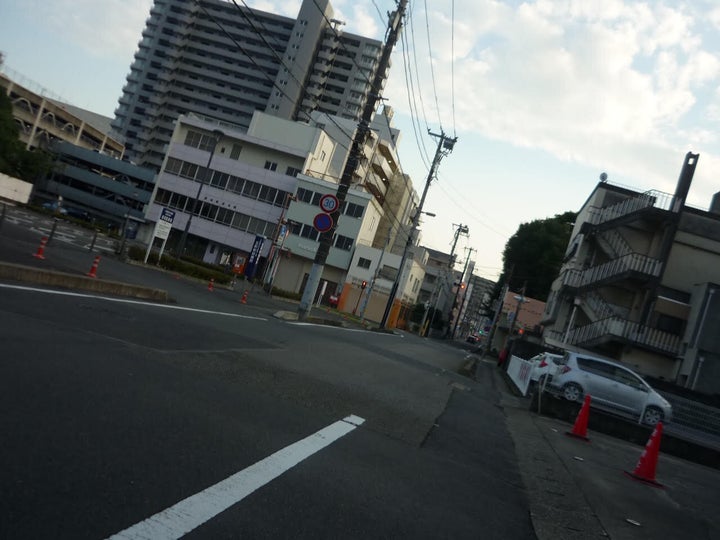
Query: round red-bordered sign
[(329, 203), (323, 222)]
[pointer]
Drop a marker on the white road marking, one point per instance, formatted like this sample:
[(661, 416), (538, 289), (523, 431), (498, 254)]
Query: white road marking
[(126, 301), (190, 513), (345, 329)]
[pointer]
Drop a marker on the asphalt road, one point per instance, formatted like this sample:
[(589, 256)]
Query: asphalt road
[(115, 411)]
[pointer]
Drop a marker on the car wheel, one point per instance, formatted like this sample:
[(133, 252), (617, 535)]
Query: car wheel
[(652, 416), (572, 392)]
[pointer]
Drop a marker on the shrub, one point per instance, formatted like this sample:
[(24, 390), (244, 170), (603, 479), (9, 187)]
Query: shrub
[(201, 271)]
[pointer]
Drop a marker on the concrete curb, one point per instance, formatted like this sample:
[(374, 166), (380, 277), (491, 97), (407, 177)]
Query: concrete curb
[(27, 274)]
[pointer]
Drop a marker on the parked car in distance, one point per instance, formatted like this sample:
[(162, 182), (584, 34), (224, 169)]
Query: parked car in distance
[(473, 338), (543, 364), (53, 207), (612, 387)]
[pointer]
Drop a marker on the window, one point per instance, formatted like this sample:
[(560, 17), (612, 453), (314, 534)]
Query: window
[(235, 152), (188, 170), (292, 171), (353, 210), (363, 263), (220, 180), (304, 195), (271, 165), (343, 242), (251, 189), (173, 166), (310, 232)]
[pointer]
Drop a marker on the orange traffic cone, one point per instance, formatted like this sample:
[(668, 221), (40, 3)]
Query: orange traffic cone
[(40, 253), (211, 285), (93, 269), (645, 469), (579, 430), (243, 300)]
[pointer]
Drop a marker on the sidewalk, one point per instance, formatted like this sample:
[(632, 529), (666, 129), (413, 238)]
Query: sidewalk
[(578, 489)]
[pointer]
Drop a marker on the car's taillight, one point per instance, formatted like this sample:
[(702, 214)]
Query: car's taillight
[(565, 369), (543, 364)]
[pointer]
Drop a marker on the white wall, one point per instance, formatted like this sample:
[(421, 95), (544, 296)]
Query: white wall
[(15, 189)]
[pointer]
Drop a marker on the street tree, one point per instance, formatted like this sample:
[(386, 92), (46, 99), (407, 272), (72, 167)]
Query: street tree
[(534, 254)]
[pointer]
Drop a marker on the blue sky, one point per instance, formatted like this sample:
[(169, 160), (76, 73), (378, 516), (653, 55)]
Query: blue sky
[(543, 95)]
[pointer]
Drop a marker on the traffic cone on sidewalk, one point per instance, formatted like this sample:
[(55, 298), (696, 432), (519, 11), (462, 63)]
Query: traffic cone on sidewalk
[(40, 253), (579, 430), (211, 285), (645, 469), (243, 299), (93, 269)]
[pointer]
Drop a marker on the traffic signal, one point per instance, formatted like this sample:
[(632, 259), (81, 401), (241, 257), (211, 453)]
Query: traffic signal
[(364, 284)]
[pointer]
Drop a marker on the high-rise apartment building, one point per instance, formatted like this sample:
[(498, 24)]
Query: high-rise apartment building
[(221, 60)]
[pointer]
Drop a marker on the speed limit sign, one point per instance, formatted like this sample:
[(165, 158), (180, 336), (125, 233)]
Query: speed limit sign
[(329, 203)]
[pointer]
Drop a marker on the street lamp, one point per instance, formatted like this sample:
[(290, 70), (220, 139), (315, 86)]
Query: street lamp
[(217, 135)]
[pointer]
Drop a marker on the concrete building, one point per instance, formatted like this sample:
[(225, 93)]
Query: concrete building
[(242, 182), (472, 321), (356, 227), (186, 62), (43, 120), (378, 271), (639, 283), (437, 289)]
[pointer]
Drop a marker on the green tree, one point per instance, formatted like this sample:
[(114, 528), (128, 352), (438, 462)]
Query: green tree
[(535, 254)]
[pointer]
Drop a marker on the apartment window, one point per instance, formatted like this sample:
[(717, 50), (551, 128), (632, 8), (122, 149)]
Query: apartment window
[(343, 242), (292, 171), (251, 189), (188, 170), (364, 263), (173, 166), (271, 165), (352, 210), (322, 155), (304, 195), (235, 152), (310, 232)]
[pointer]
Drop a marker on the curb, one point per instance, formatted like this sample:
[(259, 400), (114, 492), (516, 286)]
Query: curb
[(28, 274)]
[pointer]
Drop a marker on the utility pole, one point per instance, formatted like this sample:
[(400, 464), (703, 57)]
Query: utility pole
[(358, 143), (457, 293), (461, 229), (498, 309), (444, 147)]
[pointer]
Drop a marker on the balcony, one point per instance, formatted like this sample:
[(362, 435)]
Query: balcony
[(615, 328), (630, 265), (633, 205)]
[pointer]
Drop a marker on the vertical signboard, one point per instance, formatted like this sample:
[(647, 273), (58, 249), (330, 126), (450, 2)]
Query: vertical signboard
[(251, 265)]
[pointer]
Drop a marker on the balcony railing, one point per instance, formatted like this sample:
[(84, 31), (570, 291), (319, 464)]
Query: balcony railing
[(649, 199), (614, 243), (603, 309), (615, 327), (632, 262)]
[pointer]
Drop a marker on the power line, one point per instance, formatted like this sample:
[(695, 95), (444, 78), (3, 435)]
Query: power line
[(432, 69), (409, 90), (452, 62)]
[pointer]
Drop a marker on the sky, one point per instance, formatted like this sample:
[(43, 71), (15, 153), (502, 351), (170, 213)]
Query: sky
[(542, 95)]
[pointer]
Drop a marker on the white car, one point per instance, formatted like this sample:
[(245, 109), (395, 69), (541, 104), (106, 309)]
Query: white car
[(543, 364)]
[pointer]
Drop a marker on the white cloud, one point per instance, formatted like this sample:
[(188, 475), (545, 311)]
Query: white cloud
[(604, 83)]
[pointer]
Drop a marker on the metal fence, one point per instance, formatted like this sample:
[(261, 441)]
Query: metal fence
[(694, 421)]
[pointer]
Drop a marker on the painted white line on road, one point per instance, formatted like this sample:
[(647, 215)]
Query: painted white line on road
[(126, 301), (345, 329), (190, 513)]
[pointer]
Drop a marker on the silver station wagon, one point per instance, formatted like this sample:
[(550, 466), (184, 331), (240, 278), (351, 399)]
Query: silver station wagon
[(612, 387)]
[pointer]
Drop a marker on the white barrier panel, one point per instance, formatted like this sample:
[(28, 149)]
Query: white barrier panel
[(14, 189), (519, 371)]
